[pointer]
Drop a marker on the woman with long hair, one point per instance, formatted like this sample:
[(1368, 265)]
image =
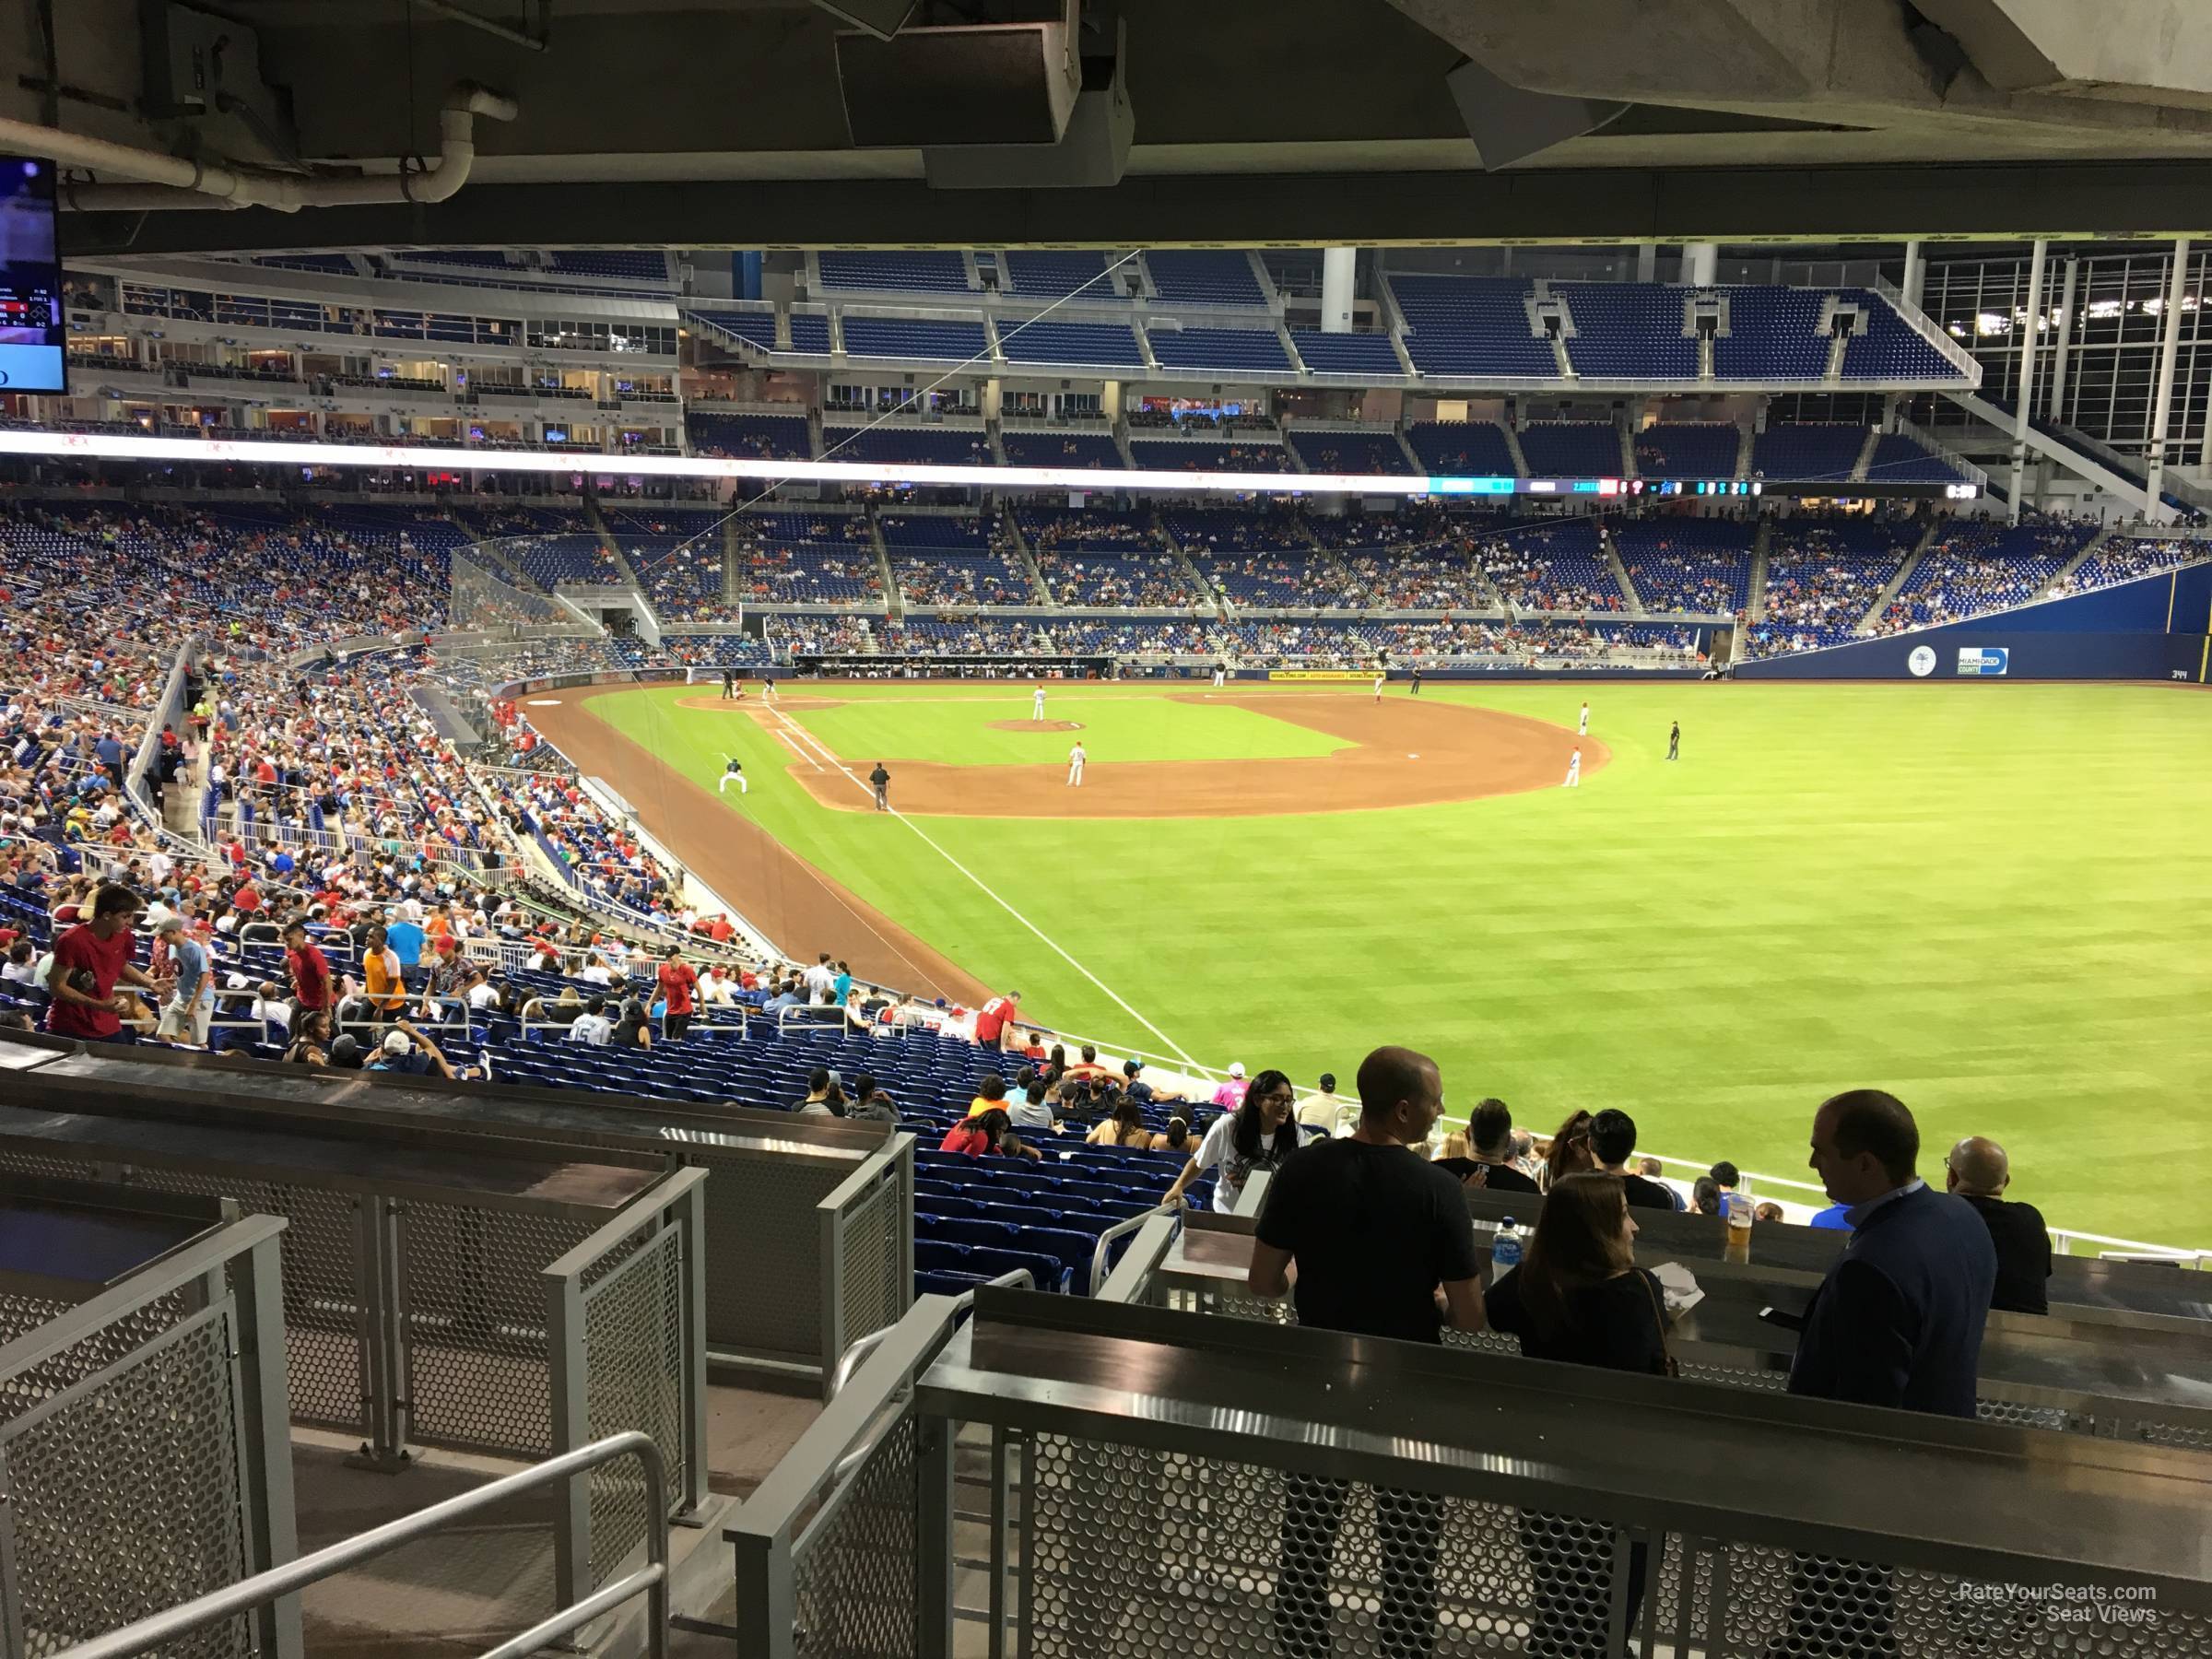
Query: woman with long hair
[(1570, 1152), (1579, 1297), (1126, 1127), (1176, 1138), (1261, 1133)]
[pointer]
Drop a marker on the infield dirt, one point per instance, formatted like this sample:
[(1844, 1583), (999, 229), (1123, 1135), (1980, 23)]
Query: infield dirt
[(1400, 752)]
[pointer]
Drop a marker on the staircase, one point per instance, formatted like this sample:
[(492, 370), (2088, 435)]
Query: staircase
[(2076, 457), (1198, 583), (626, 574), (1628, 452), (1512, 442), (1860, 467), (894, 602), (1418, 466), (1558, 354), (1835, 357), (2087, 553), (1120, 443), (733, 558), (1896, 583), (1011, 527), (1755, 602), (1620, 572), (1743, 451), (994, 433)]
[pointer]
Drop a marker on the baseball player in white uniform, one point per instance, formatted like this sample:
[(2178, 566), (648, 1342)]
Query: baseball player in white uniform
[(1220, 674), (1381, 674), (1037, 703), (1584, 730), (734, 773), (1075, 767), (1574, 771)]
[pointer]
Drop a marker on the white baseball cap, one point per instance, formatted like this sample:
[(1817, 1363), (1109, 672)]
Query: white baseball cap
[(396, 1042), (1236, 1068)]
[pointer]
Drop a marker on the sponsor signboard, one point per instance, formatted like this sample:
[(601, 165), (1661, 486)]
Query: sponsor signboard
[(1321, 674), (1983, 659)]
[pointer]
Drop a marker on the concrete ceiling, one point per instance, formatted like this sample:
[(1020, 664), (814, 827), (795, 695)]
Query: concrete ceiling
[(720, 122)]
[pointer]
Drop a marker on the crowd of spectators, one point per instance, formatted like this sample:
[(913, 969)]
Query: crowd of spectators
[(2127, 557), (1551, 567)]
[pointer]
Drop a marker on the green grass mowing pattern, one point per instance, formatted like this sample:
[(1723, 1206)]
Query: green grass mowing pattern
[(1115, 726), (1987, 898)]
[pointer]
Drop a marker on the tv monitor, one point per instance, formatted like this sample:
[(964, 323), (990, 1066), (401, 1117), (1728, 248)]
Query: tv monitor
[(32, 358)]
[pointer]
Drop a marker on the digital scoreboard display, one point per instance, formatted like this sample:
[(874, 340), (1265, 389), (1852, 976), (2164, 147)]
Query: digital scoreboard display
[(31, 325)]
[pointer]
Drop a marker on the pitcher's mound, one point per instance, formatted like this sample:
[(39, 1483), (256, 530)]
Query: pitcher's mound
[(1036, 725)]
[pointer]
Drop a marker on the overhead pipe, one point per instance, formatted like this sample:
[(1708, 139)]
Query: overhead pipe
[(173, 182)]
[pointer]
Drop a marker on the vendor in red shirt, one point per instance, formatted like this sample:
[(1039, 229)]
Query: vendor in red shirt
[(679, 984), (307, 966), (97, 950)]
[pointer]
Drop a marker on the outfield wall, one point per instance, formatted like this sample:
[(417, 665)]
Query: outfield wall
[(2155, 629)]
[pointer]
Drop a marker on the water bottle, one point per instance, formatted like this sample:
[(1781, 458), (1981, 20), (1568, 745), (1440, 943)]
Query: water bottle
[(1505, 1250)]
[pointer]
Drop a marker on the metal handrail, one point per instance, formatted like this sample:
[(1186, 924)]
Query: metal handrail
[(852, 1360), (1121, 1230), (293, 1576)]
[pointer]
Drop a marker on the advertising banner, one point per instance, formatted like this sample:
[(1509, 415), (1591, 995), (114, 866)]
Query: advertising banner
[(1321, 674), (1983, 659)]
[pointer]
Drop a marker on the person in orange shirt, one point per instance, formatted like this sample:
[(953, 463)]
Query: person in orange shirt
[(380, 967)]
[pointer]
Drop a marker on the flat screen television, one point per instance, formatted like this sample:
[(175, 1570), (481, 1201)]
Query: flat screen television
[(32, 327)]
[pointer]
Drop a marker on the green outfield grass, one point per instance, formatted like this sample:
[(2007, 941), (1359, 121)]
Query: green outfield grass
[(951, 727), (1991, 899)]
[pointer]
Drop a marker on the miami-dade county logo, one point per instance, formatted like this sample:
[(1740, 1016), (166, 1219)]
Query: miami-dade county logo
[(1922, 662)]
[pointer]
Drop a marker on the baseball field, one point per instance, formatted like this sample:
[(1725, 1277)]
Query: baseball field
[(1989, 899)]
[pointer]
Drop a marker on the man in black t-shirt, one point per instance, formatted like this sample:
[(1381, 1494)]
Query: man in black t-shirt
[(1613, 1139), (1977, 1172), (882, 780), (1490, 1135), (1379, 1236)]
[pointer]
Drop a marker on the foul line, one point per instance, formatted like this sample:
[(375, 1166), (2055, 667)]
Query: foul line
[(1052, 944)]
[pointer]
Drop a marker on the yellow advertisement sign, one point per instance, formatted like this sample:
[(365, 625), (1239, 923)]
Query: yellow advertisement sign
[(1321, 674)]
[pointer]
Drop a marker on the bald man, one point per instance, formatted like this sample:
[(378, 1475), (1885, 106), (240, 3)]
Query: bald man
[(1384, 1248), (1977, 1172)]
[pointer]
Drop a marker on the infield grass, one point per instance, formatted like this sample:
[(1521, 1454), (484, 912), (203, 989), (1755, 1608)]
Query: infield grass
[(942, 725), (1991, 899)]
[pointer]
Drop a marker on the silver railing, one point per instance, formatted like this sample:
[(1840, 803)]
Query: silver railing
[(145, 1451), (1084, 1478), (1021, 1278), (281, 1585)]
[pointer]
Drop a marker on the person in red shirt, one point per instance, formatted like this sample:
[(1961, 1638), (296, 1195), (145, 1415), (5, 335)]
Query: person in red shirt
[(679, 984), (88, 961), (986, 1133), (247, 899), (307, 966), (994, 1020)]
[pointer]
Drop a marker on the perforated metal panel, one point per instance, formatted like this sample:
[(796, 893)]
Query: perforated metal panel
[(21, 1314), (323, 1298), (1133, 1552), (634, 1351), (761, 1210), (873, 1286), (123, 1490), (854, 1570), (474, 1314), (2016, 1415)]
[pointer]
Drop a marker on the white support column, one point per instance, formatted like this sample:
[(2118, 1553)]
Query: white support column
[(1336, 267), (1700, 263), (2023, 391), (1916, 274), (2065, 337), (2155, 453)]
